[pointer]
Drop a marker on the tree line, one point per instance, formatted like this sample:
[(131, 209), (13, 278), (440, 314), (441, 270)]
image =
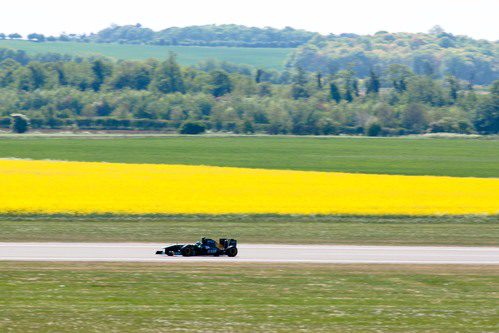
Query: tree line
[(230, 35), (97, 93)]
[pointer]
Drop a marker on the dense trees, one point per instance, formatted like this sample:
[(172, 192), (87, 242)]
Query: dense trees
[(97, 93), (132, 75), (435, 54), (206, 35), (32, 77), (100, 71), (36, 37), (230, 35), (15, 36), (233, 35), (131, 34), (299, 87), (168, 78), (335, 92), (220, 83), (487, 111), (373, 84)]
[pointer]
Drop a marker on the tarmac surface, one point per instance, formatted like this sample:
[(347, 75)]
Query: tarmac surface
[(265, 253)]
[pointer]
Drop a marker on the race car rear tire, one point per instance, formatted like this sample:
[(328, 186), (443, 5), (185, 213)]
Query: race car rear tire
[(231, 252)]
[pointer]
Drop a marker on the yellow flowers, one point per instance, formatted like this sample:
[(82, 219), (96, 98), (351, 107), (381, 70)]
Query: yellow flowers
[(84, 188)]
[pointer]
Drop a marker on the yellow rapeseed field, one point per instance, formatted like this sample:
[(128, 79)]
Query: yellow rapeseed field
[(78, 187)]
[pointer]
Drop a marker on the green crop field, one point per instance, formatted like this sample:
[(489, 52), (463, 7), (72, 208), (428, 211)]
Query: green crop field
[(272, 58), (112, 297), (409, 156)]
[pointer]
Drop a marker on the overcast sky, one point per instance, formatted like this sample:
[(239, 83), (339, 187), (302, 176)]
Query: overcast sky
[(476, 18)]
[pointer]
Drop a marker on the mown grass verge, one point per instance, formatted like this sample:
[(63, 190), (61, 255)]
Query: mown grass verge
[(375, 230), (98, 297)]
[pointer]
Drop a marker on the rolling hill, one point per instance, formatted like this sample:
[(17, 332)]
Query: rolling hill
[(270, 58)]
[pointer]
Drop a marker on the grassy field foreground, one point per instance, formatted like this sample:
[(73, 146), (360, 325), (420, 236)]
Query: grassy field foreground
[(83, 297), (443, 230)]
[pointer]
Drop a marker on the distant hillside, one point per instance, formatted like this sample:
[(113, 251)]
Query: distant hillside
[(206, 35), (437, 54), (269, 58)]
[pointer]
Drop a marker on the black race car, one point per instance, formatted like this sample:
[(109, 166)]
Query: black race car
[(204, 247)]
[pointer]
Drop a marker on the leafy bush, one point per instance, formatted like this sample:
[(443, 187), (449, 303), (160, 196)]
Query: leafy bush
[(20, 123), (191, 127), (5, 122), (374, 129)]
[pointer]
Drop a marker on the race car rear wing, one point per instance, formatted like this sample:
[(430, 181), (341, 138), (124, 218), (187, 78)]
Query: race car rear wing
[(226, 243)]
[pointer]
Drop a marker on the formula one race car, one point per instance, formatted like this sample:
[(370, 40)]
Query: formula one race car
[(204, 247)]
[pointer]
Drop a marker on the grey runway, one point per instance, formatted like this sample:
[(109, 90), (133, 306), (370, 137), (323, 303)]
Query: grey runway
[(332, 254)]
